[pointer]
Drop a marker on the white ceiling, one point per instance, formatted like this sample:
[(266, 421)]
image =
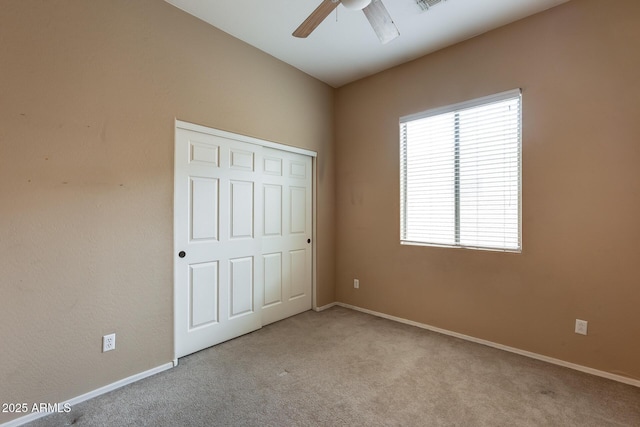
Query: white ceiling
[(344, 47)]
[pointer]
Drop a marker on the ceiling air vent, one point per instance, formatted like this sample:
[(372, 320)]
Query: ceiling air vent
[(426, 4)]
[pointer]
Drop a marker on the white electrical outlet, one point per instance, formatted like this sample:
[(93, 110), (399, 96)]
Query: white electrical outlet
[(356, 283), (108, 342), (581, 327)]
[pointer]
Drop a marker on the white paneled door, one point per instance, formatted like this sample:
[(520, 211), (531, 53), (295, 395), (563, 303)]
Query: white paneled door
[(242, 229), (286, 239)]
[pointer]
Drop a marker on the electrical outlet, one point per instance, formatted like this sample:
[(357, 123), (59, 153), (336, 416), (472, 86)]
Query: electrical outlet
[(356, 283), (108, 342), (581, 327)]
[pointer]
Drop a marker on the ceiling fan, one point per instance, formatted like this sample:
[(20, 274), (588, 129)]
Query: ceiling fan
[(374, 10)]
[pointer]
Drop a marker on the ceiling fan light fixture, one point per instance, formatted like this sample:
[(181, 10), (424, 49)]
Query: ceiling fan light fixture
[(373, 10), (355, 4)]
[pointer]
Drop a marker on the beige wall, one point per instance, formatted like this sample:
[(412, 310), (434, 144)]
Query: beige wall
[(578, 67), (88, 95)]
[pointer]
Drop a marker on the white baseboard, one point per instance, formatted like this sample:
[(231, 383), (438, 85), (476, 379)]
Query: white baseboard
[(90, 395), (325, 307), (608, 375)]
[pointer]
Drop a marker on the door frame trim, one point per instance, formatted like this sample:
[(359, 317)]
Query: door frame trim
[(243, 138), (180, 124)]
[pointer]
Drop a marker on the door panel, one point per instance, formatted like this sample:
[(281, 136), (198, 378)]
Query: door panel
[(241, 160), (241, 209), (241, 285), (298, 210), (272, 210), (298, 267), (215, 225), (204, 294), (273, 166), (272, 278), (204, 208), (298, 169), (203, 152), (293, 288)]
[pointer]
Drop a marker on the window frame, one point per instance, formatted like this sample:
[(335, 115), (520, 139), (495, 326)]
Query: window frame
[(502, 96)]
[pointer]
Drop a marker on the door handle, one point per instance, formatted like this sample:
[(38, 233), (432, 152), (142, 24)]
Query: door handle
[(182, 254)]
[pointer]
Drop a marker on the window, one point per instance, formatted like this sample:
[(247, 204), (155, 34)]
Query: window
[(460, 175)]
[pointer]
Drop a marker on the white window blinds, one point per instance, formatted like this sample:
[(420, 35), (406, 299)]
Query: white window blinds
[(460, 174)]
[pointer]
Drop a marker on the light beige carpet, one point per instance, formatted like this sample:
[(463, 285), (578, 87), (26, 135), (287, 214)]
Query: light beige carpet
[(345, 368)]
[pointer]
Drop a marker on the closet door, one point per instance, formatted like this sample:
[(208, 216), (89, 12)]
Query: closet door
[(286, 242), (242, 230)]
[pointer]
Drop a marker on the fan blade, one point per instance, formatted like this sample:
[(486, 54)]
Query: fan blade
[(316, 17), (381, 21)]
